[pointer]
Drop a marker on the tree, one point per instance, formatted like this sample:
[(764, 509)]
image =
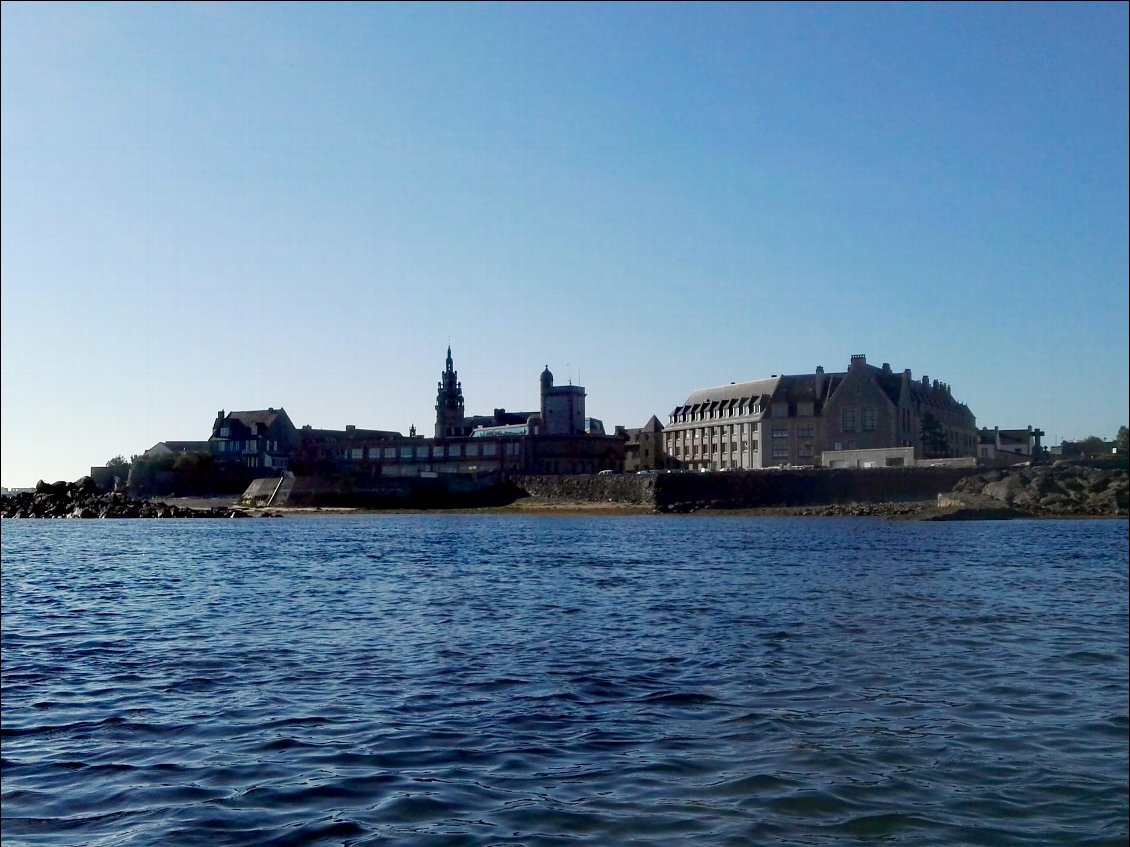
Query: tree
[(1122, 440), (933, 435), (119, 468)]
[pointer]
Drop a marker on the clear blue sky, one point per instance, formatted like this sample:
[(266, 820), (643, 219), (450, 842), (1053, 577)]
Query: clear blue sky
[(211, 206)]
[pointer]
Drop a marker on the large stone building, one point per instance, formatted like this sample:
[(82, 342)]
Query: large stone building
[(790, 420)]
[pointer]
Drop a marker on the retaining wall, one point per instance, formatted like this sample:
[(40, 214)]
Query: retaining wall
[(749, 489)]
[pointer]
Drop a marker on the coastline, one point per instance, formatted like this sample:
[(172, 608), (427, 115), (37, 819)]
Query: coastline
[(917, 510)]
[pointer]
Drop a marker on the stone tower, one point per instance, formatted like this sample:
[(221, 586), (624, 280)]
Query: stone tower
[(449, 402)]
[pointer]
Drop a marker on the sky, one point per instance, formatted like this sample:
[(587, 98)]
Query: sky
[(212, 206)]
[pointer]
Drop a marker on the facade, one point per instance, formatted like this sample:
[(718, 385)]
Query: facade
[(262, 438), (996, 442), (884, 457), (644, 449), (503, 443), (790, 420)]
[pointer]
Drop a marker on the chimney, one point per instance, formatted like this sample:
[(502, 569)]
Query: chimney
[(350, 427), (925, 380), (819, 385), (858, 360), (886, 367)]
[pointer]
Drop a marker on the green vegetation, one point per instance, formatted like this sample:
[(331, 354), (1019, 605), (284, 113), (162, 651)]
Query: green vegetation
[(119, 468), (934, 443), (186, 475)]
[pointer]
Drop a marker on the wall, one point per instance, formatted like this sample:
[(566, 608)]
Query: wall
[(590, 488), (749, 489), (808, 487), (878, 458)]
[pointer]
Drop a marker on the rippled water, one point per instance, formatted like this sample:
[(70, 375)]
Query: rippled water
[(475, 680)]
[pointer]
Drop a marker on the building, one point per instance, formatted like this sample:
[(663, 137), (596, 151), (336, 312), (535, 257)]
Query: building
[(558, 439), (643, 450), (261, 438), (173, 448), (1016, 444), (790, 420)]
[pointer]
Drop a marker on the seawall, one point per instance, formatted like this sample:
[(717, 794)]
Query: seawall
[(749, 489)]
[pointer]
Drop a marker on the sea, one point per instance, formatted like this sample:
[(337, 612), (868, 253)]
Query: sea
[(563, 680)]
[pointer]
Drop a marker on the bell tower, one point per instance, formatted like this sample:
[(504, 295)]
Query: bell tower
[(449, 402)]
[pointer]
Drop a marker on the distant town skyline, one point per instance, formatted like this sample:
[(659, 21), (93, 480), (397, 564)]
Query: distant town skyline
[(239, 206)]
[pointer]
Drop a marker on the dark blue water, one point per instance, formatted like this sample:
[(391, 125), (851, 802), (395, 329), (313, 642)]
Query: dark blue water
[(473, 680)]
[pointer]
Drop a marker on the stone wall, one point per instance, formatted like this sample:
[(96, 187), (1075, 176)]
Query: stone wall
[(590, 488), (809, 487), (748, 489)]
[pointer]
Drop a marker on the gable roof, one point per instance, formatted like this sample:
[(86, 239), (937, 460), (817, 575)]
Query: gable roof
[(267, 417)]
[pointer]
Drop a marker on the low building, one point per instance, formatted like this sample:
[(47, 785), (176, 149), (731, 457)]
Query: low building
[(1016, 444), (883, 457)]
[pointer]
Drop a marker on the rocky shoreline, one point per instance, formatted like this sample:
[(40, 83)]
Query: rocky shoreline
[(82, 499), (1062, 490)]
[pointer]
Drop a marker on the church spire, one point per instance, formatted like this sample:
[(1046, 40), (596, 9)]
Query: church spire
[(449, 401)]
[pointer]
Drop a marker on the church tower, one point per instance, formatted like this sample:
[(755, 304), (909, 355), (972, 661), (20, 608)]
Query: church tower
[(449, 402)]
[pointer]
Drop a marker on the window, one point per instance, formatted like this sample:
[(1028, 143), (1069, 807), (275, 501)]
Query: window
[(780, 452), (358, 452), (868, 418), (780, 433), (805, 450), (804, 410), (490, 448), (754, 445), (780, 410), (848, 419), (806, 432), (225, 432)]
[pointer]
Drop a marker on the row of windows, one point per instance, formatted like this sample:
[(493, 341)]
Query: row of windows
[(423, 451), (716, 413), (250, 446)]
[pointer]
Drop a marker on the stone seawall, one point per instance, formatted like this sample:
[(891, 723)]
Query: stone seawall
[(748, 489), (636, 489), (809, 487)]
